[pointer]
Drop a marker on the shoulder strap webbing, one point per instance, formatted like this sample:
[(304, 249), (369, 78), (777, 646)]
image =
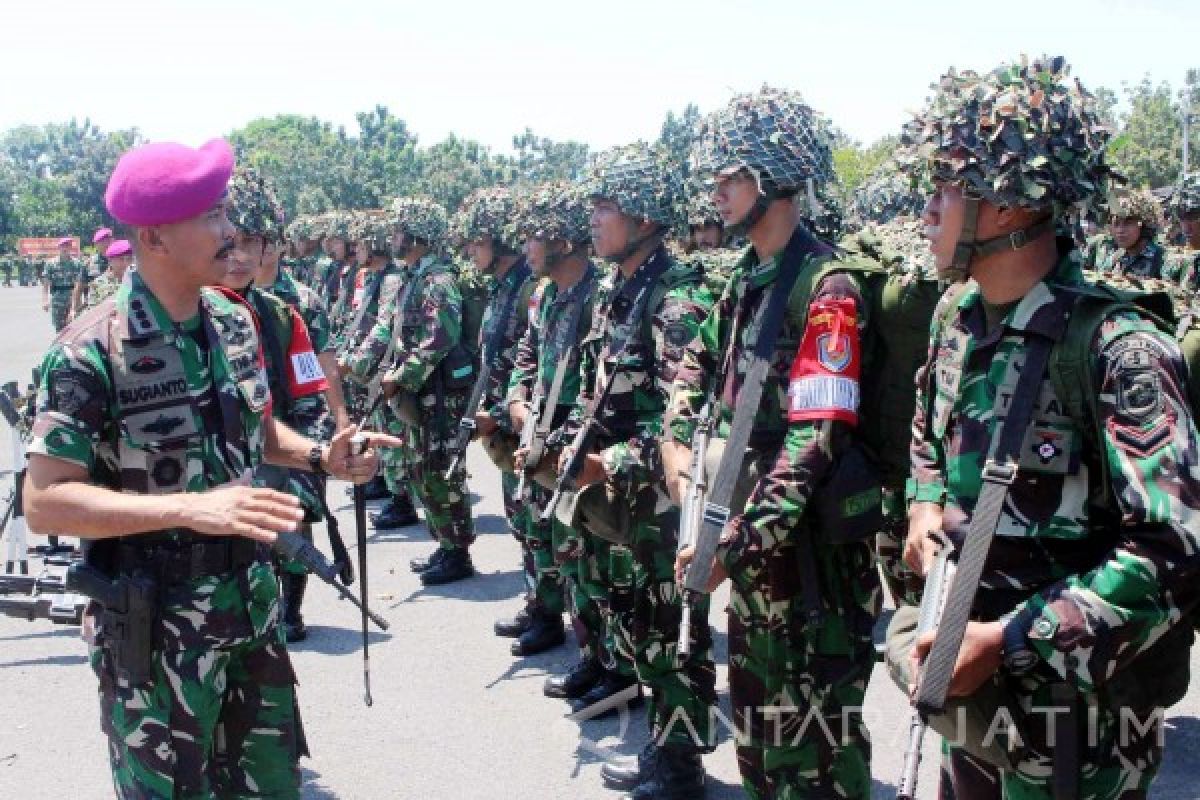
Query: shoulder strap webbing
[(999, 472), (770, 318)]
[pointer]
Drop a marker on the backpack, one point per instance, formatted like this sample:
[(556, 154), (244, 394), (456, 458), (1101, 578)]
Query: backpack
[(475, 295)]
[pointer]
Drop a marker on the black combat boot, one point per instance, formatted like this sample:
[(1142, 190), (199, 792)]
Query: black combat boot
[(453, 566), (677, 774), (545, 631), (422, 563), (514, 626), (293, 598), (397, 513), (576, 682), (612, 683), (628, 773)]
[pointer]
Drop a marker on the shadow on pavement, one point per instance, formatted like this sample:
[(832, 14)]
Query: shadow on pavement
[(58, 632), (1181, 763), (337, 641), (484, 587), (48, 661)]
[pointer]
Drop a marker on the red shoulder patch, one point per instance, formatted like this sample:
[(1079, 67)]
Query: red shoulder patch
[(824, 379)]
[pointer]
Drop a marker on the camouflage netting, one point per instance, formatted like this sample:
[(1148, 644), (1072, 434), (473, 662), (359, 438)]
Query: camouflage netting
[(1186, 198), (701, 212), (823, 212), (306, 226), (334, 224), (772, 133), (556, 210), (1022, 135), (639, 180), (899, 244), (888, 193), (1137, 205), (421, 217), (252, 207), (374, 227), (489, 213)]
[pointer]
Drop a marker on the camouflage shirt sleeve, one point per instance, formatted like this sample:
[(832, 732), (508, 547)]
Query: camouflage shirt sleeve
[(777, 504), (432, 329), (698, 363), (672, 328), (73, 409), (316, 318), (1089, 625), (927, 479), (496, 396), (524, 374)]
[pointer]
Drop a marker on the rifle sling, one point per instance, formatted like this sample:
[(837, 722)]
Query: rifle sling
[(545, 417), (998, 475), (769, 319)]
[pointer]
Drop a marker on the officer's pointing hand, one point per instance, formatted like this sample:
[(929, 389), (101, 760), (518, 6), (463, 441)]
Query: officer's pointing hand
[(244, 511), (345, 464)]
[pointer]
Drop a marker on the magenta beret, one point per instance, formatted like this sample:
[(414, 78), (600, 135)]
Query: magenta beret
[(66, 241), (120, 247), (165, 182), (101, 235)]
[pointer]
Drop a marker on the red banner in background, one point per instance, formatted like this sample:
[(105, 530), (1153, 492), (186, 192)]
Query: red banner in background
[(45, 248)]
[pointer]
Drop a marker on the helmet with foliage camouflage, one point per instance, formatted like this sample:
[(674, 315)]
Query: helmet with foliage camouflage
[(773, 134), (335, 225), (422, 218), (701, 211), (302, 228), (373, 227), (888, 193), (488, 213), (1021, 135), (252, 207), (556, 210), (639, 180), (1186, 198), (825, 216), (1137, 205)]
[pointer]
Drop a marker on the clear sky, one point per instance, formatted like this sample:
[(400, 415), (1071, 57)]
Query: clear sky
[(602, 72)]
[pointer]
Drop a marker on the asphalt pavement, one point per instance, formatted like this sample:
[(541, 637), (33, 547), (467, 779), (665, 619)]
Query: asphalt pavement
[(455, 716)]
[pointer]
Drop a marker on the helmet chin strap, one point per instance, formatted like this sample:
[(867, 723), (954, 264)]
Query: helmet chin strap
[(969, 248), (757, 211)]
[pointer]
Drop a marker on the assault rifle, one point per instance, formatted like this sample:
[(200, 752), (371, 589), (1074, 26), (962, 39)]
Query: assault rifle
[(466, 425), (691, 517), (43, 596), (933, 603), (580, 448)]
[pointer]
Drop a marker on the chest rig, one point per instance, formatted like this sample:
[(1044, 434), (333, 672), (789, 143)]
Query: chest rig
[(159, 416)]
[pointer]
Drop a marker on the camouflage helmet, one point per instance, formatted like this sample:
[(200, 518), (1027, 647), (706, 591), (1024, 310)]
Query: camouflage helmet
[(824, 213), (1137, 205), (1021, 135), (488, 213), (336, 225), (773, 134), (1186, 198), (374, 228), (421, 218), (556, 210), (638, 179), (252, 207), (701, 211), (888, 193)]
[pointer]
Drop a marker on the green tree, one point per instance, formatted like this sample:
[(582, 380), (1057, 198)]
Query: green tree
[(1146, 151), (538, 159), (453, 168), (854, 163), (678, 134)]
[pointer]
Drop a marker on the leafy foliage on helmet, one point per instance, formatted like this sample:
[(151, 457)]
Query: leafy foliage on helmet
[(823, 211), (773, 134), (701, 211), (304, 227), (422, 218), (899, 245), (1138, 205), (374, 227), (488, 213), (888, 193), (556, 210), (252, 206), (335, 224), (1023, 135), (1186, 198), (639, 180)]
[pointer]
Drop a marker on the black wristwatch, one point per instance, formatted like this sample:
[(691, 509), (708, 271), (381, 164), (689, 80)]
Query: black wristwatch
[(1019, 657), (314, 461)]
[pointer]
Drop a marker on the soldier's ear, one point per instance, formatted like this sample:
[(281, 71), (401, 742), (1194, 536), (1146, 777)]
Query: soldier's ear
[(149, 240)]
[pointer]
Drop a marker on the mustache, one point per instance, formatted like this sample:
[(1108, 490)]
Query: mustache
[(225, 250)]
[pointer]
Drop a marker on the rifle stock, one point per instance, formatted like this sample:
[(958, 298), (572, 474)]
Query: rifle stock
[(690, 519), (466, 425)]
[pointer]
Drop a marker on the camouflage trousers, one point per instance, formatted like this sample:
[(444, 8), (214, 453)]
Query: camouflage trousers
[(542, 575), (645, 608), (60, 304), (903, 584), (213, 723), (798, 671), (447, 504)]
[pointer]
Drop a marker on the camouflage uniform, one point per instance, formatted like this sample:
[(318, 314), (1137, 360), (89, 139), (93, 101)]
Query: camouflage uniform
[(640, 326), (1095, 555), (6, 266), (1104, 256), (795, 649), (60, 278), (1183, 264), (218, 717), (426, 325)]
